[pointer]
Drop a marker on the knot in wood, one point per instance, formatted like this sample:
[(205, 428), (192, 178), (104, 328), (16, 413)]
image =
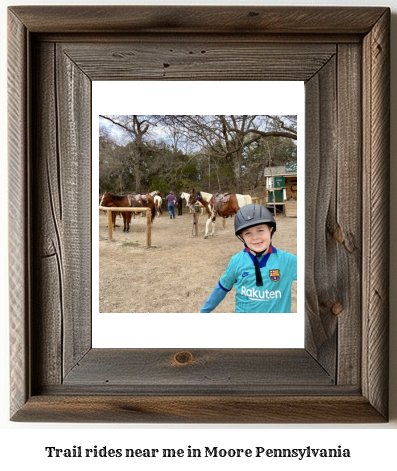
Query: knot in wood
[(183, 358), (337, 308), (338, 235)]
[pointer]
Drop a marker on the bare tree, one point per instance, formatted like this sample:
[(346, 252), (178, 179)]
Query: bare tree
[(137, 127), (228, 136)]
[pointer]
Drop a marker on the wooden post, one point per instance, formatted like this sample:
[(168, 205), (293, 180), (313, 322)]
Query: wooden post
[(110, 228), (148, 228), (196, 215), (133, 210)]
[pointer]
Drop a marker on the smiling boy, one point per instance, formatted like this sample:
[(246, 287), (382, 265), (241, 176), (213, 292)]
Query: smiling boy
[(261, 274)]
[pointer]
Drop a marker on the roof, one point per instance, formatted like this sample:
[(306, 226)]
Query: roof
[(278, 171)]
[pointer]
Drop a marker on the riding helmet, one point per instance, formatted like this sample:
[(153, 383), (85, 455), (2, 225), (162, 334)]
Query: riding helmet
[(253, 215)]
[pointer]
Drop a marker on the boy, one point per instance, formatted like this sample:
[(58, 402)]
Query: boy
[(261, 274)]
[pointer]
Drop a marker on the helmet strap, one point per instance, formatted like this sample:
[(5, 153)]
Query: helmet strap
[(258, 274)]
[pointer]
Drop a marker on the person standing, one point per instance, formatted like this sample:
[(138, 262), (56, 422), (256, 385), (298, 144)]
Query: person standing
[(171, 200)]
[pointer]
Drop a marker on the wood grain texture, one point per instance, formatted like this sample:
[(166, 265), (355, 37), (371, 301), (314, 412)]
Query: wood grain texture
[(74, 118), (199, 60), (198, 20), (321, 279), (47, 260), (346, 228), (376, 91), (333, 237), (341, 375), (19, 227), (228, 369), (62, 173), (198, 409)]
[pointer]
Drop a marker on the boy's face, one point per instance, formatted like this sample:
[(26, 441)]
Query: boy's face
[(257, 238)]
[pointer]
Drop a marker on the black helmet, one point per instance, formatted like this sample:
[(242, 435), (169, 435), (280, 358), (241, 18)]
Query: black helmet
[(253, 215)]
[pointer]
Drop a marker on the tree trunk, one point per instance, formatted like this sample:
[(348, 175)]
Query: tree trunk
[(237, 160), (137, 173)]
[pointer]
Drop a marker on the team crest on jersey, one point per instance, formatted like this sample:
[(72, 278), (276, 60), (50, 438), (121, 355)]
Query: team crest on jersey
[(274, 275)]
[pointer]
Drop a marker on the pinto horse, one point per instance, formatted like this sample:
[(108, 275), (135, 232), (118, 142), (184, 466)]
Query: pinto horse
[(186, 196), (120, 201), (158, 201), (222, 205)]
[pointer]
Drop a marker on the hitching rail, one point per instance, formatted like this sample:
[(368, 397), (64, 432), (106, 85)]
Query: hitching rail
[(132, 210)]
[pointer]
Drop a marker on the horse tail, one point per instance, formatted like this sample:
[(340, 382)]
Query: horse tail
[(153, 210)]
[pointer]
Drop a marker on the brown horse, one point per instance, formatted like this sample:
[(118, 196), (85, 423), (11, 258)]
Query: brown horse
[(119, 201), (222, 205), (143, 201)]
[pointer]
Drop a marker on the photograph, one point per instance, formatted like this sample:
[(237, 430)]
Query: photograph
[(222, 197)]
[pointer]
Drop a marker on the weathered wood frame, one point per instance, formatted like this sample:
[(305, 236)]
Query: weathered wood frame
[(343, 56)]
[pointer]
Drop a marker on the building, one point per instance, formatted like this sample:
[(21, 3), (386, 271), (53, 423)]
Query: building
[(281, 184)]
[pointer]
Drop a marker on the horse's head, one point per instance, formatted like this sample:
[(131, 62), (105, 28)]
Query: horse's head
[(194, 196), (106, 199)]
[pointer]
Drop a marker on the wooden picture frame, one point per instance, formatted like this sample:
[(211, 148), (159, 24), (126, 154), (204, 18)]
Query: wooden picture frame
[(342, 54)]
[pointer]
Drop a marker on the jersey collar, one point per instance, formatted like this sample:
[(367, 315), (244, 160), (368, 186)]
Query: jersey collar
[(262, 263)]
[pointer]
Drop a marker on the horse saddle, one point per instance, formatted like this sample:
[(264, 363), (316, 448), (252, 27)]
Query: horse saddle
[(144, 198), (137, 200), (132, 201), (220, 199)]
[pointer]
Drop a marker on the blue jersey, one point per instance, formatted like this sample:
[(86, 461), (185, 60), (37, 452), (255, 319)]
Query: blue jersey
[(278, 270)]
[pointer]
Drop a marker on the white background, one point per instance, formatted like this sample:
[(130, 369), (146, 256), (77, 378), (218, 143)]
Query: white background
[(23, 444)]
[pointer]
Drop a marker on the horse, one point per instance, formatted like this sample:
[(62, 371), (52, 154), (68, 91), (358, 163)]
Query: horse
[(120, 201), (243, 200), (158, 201), (186, 196), (100, 199), (179, 204), (222, 205), (143, 201)]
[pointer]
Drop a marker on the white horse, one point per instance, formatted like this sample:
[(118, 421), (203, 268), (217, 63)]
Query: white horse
[(243, 200), (186, 196), (158, 201)]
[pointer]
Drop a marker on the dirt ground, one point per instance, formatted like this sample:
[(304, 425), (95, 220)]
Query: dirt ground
[(179, 271)]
